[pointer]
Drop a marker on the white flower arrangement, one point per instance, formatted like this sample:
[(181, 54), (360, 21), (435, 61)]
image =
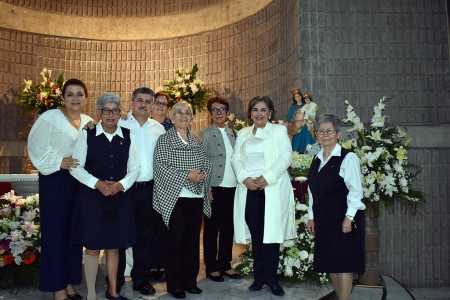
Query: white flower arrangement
[(235, 123), (186, 86), (383, 155), (300, 165), (19, 239)]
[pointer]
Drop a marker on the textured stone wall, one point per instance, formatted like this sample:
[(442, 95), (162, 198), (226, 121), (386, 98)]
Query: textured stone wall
[(245, 59), (363, 50)]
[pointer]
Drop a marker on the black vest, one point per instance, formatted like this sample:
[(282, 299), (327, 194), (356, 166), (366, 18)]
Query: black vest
[(107, 160), (328, 190)]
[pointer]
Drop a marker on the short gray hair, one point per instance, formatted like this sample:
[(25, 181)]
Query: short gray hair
[(177, 107), (108, 98), (328, 118)]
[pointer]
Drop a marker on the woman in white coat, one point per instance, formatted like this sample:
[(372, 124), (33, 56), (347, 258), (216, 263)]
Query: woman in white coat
[(264, 199)]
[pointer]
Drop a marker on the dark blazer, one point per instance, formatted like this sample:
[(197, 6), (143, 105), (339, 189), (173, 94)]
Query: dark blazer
[(215, 148)]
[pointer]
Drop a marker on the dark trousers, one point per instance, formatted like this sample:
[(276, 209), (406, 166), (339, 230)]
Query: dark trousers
[(218, 254), (147, 249), (60, 262), (181, 244), (266, 256)]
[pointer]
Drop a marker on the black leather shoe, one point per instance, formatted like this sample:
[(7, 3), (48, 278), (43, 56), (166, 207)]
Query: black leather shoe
[(144, 289), (216, 278), (194, 290), (276, 289), (75, 296), (108, 296), (178, 294), (232, 276), (256, 286)]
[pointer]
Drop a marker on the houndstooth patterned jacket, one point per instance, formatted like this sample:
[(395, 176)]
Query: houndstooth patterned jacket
[(172, 162)]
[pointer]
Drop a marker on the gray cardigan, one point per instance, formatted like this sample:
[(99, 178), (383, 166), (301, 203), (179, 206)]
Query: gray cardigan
[(215, 149)]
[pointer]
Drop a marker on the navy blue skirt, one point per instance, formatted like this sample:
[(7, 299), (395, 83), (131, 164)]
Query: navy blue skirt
[(60, 261), (96, 230)]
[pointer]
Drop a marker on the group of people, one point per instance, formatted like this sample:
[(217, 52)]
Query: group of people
[(147, 180)]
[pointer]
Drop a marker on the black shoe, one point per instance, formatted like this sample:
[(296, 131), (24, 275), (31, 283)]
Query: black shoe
[(75, 296), (256, 286), (216, 278), (144, 289), (194, 290), (232, 276), (276, 289), (178, 294)]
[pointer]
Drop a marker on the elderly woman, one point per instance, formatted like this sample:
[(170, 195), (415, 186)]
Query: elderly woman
[(336, 216), (182, 176), (50, 146), (103, 212), (218, 141), (264, 198)]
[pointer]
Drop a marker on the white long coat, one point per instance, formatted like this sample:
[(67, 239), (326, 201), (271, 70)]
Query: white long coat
[(279, 218)]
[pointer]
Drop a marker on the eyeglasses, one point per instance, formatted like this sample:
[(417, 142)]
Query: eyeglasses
[(157, 103), (218, 111), (107, 111), (142, 102), (181, 113), (326, 132)]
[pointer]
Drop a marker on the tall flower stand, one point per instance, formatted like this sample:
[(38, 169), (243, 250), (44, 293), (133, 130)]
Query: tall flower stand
[(371, 277)]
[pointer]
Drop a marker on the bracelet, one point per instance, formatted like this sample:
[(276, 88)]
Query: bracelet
[(350, 218)]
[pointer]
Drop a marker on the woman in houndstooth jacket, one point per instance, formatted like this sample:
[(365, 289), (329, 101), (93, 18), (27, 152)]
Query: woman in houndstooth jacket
[(182, 176)]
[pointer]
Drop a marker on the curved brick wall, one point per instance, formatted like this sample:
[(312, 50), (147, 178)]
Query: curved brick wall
[(255, 56)]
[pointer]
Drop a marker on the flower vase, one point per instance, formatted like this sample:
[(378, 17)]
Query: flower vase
[(300, 188), (371, 276)]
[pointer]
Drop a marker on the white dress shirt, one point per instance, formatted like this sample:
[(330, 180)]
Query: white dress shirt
[(185, 193), (145, 137), (80, 152), (229, 179), (52, 138), (351, 173)]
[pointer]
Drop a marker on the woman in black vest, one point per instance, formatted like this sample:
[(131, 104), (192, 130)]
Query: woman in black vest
[(336, 216), (103, 212)]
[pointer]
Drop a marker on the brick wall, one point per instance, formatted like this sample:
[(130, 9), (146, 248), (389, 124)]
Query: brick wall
[(245, 59)]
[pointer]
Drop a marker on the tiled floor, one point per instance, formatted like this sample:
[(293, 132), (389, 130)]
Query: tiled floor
[(232, 290)]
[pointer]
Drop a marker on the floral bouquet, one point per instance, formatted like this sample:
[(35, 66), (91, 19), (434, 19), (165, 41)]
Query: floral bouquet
[(382, 150), (297, 255), (300, 165), (19, 240), (186, 86), (235, 123), (44, 95)]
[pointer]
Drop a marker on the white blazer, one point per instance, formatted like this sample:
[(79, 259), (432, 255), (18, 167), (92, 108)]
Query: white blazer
[(279, 218)]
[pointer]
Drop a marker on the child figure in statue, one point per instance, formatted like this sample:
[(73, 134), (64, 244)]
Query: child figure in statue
[(301, 132), (297, 102), (309, 108)]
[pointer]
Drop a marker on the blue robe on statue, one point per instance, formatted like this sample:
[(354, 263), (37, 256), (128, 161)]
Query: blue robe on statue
[(292, 110), (302, 139)]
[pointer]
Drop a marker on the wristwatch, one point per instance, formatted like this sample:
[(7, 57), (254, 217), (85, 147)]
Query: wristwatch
[(350, 218)]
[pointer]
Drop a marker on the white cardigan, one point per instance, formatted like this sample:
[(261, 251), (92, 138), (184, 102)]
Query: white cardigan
[(279, 218)]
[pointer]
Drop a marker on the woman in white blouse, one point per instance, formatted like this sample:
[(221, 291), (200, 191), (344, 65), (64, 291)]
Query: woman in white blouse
[(264, 199), (336, 213), (50, 145)]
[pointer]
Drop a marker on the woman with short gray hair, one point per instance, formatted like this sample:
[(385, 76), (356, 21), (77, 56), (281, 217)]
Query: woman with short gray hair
[(336, 212), (108, 166)]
